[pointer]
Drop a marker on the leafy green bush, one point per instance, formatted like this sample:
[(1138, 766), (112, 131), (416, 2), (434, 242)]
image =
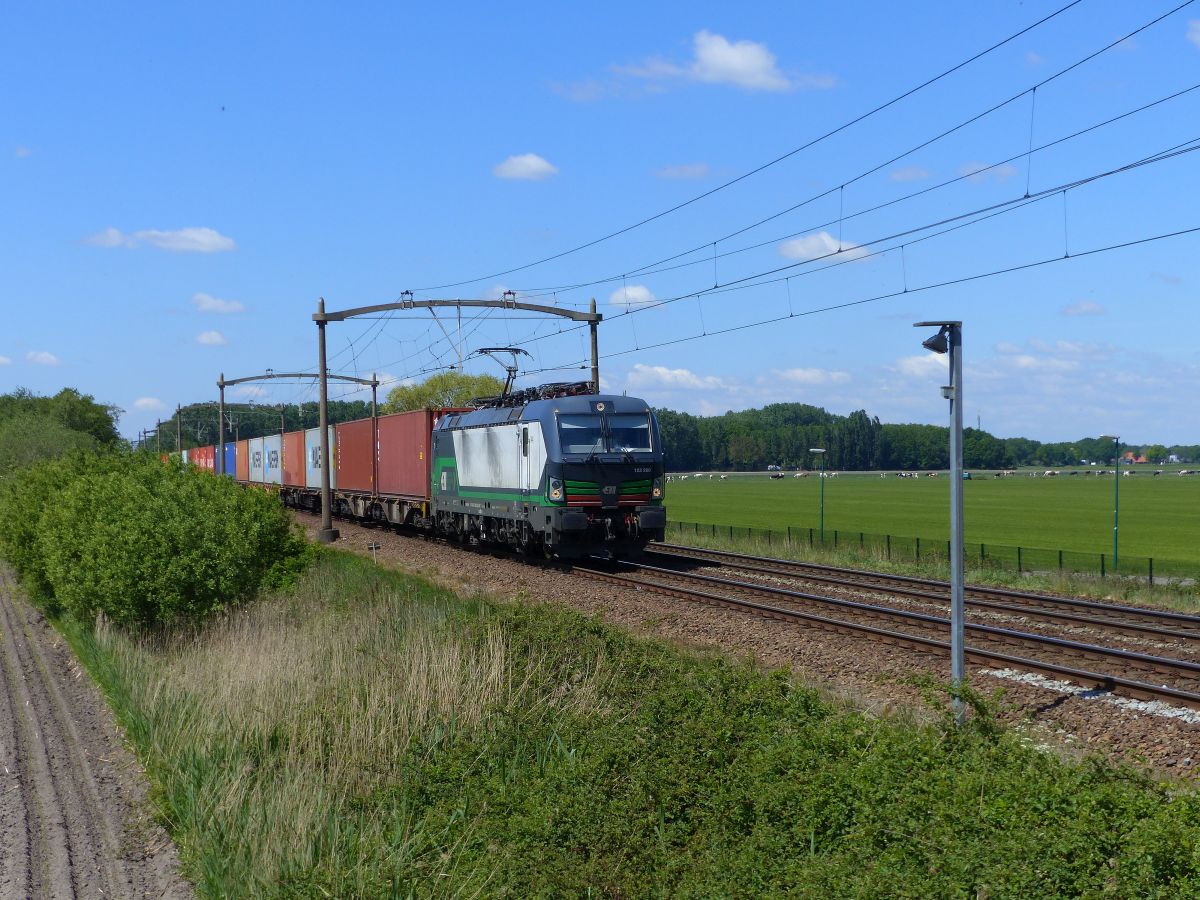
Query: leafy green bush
[(144, 542), (24, 495), (28, 438)]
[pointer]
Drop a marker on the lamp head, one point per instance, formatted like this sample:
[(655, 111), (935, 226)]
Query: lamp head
[(937, 343), (940, 342)]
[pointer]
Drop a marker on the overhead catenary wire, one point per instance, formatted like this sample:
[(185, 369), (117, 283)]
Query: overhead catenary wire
[(764, 166), (896, 200), (642, 270), (965, 219), (757, 279)]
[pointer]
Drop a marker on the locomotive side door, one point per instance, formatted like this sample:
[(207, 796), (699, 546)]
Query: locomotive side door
[(532, 449)]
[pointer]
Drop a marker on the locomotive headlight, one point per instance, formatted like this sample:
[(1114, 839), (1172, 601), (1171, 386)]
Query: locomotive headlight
[(657, 491), (556, 489)]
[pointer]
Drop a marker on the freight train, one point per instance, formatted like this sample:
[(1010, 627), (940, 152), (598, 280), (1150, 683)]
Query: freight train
[(554, 471)]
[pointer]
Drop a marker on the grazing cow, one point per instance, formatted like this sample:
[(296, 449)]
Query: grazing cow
[(710, 477), (683, 478), (1157, 473), (723, 477), (774, 475)]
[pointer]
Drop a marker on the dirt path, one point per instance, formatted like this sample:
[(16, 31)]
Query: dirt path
[(73, 815)]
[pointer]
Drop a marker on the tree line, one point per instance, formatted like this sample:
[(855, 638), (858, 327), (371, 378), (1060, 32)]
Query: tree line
[(785, 434)]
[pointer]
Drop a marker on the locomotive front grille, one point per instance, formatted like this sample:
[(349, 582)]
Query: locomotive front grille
[(588, 493)]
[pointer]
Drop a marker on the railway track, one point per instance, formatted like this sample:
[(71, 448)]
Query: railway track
[(1163, 625), (1129, 673)]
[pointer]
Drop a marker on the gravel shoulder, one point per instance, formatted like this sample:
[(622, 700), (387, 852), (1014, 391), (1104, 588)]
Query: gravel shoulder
[(74, 816), (870, 676)]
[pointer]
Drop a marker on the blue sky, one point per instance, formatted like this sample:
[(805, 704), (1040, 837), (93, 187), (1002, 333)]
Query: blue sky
[(182, 183)]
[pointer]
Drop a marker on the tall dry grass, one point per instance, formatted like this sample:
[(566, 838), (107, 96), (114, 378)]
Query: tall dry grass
[(272, 727)]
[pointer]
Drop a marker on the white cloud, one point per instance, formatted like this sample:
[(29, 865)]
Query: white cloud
[(744, 63), (5, 361), (643, 376), (525, 167), (42, 358), (250, 391), (686, 170), (208, 303), (821, 244), (909, 173), (717, 60), (1034, 58), (149, 404), (812, 376), (925, 365), (1193, 32), (1007, 347), (182, 240), (632, 295), (978, 172), (22, 152), (211, 338), (1083, 308)]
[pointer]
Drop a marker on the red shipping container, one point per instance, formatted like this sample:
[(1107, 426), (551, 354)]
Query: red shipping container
[(202, 457), (293, 459), (404, 463), (242, 462), (356, 455)]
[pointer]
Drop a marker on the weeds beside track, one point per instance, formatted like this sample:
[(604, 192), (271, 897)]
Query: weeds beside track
[(367, 734)]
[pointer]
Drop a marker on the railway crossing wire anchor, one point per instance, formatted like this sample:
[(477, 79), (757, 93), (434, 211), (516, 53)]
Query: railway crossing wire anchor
[(374, 548)]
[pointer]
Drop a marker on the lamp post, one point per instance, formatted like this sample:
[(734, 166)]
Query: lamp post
[(949, 340), (820, 451), (1116, 493)]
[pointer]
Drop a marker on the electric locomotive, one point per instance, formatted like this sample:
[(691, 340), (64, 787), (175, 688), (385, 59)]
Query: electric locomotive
[(555, 471)]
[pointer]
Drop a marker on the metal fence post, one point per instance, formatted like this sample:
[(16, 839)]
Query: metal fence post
[(1060, 562), (889, 546), (1102, 557), (1150, 561), (1018, 560), (789, 537), (918, 545)]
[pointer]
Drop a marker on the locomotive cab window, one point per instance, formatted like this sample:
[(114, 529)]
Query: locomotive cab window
[(608, 433), (524, 441), (629, 432), (581, 433)]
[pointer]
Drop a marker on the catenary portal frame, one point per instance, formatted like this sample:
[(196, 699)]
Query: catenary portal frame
[(270, 375), (327, 532)]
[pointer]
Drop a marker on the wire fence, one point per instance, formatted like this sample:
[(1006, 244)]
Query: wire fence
[(997, 557)]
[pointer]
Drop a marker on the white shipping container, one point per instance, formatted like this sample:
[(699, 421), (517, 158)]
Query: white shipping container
[(273, 458), (312, 458), (257, 461)]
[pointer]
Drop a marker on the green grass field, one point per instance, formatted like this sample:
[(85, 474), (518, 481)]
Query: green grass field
[(1160, 517)]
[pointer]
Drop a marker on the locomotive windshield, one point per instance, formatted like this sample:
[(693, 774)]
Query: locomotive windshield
[(616, 433), (629, 431)]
